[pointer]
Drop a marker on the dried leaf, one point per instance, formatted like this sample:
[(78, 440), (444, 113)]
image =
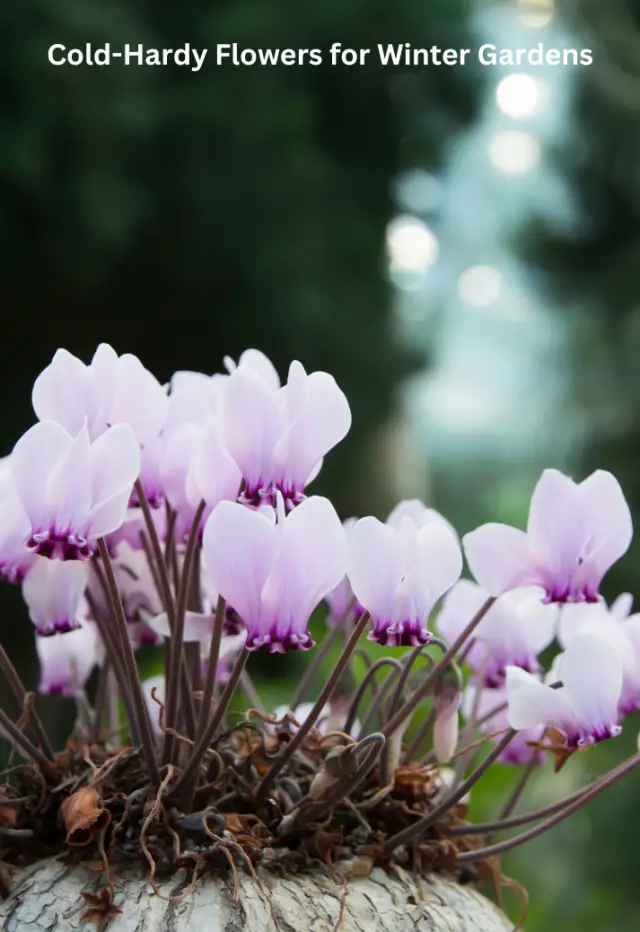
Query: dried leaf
[(101, 908), (83, 815)]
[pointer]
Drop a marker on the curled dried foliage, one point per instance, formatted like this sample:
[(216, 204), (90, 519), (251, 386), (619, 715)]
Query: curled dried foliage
[(83, 816), (102, 812)]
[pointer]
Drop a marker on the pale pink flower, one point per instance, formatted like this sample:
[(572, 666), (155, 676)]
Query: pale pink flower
[(446, 726), (110, 390), (344, 608), (318, 417), (275, 574), (53, 591), (576, 531), (514, 631), (398, 575), (67, 660), (585, 707), (619, 628), (73, 491)]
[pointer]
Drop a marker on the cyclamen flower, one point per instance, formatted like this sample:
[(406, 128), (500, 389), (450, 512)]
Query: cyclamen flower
[(585, 707), (278, 437), (53, 591), (619, 629), (317, 417), (66, 661), (110, 390), (73, 491), (275, 574), (575, 533), (514, 631), (523, 748), (398, 575)]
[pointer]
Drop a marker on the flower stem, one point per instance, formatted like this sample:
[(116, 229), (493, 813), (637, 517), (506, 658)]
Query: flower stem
[(177, 672), (313, 667), (28, 749), (411, 704), (366, 680), (212, 667), (156, 551), (583, 799), (289, 749), (419, 827), (187, 779), (131, 670), (19, 691)]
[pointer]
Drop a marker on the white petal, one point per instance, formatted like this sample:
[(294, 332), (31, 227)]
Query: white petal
[(500, 559), (591, 669), (556, 527), (532, 703), (311, 561), (60, 392), (319, 417), (607, 519), (53, 590), (374, 566), (216, 476), (239, 546), (258, 362), (251, 421), (34, 457), (138, 400)]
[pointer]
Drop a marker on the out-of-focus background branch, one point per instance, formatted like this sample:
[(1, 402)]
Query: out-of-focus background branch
[(458, 246)]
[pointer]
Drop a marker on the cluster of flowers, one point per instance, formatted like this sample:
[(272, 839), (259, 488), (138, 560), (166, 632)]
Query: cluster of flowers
[(226, 460)]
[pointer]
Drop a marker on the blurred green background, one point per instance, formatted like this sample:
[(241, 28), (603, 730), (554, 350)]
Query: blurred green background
[(458, 246)]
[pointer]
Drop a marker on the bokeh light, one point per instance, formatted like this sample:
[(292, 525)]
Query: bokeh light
[(518, 95), (513, 152), (480, 285)]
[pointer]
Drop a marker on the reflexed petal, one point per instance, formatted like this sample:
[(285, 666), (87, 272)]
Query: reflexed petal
[(591, 670), (621, 607), (215, 474), (441, 556), (138, 399), (66, 660), (311, 561), (609, 528), (556, 524), (577, 618), (500, 559), (60, 392), (239, 546), (68, 488), (532, 703), (53, 590), (251, 421), (319, 417), (257, 361), (34, 457), (420, 515), (374, 566)]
